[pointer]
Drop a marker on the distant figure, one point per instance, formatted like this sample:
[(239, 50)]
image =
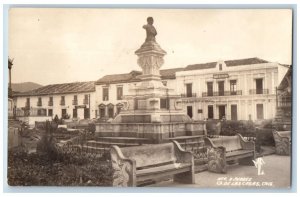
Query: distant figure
[(150, 30), (56, 119), (223, 118), (284, 127), (218, 128)]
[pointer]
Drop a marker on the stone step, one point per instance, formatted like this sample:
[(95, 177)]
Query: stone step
[(109, 144), (189, 148), (190, 144), (187, 139), (84, 148), (91, 149), (123, 140)]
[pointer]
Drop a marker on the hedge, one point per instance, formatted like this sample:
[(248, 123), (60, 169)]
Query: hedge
[(66, 170)]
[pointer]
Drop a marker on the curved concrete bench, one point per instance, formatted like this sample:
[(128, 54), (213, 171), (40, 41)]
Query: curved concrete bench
[(228, 148), (135, 165)]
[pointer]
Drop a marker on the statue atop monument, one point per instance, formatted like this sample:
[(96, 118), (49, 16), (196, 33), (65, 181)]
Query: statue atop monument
[(150, 30)]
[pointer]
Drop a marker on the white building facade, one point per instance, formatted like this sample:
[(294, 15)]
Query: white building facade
[(72, 100), (235, 90)]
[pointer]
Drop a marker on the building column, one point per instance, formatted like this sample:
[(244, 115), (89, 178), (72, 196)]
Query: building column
[(273, 84), (227, 106), (239, 106), (106, 111), (254, 112), (265, 106), (245, 85)]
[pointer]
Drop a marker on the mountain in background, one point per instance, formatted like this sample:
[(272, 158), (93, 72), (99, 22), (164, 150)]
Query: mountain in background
[(25, 86)]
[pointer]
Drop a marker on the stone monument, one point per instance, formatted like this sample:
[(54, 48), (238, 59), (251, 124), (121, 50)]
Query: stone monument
[(152, 110)]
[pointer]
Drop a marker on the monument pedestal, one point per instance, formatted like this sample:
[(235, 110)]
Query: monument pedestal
[(152, 110)]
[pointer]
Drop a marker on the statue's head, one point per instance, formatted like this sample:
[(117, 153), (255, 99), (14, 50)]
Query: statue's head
[(150, 20)]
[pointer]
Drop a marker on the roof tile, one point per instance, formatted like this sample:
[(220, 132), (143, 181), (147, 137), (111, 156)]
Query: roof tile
[(239, 62), (64, 88)]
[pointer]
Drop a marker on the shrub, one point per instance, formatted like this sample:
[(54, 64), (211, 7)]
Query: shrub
[(46, 146), (211, 127), (231, 127), (262, 131)]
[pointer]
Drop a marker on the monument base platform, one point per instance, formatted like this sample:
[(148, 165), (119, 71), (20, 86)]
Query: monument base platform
[(155, 132), (151, 116)]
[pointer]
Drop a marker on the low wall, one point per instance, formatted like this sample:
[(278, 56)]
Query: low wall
[(13, 137), (32, 119), (157, 132)]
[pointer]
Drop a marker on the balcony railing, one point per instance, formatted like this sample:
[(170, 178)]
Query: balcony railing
[(85, 101), (259, 91), (62, 102), (188, 95), (285, 101), (75, 102), (225, 93), (27, 105), (20, 112), (39, 103), (50, 103)]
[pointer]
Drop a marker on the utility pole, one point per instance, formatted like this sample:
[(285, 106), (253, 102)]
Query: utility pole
[(276, 98), (10, 63), (89, 107)]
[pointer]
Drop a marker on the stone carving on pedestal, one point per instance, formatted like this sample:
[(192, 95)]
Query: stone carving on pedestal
[(150, 64)]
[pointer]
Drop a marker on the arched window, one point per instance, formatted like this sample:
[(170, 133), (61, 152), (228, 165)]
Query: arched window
[(102, 110), (119, 107), (110, 108)]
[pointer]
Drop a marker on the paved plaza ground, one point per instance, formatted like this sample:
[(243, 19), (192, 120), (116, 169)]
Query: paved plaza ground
[(276, 175)]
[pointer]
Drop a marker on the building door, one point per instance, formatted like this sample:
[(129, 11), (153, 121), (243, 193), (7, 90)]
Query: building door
[(110, 112), (221, 88), (86, 113), (222, 111), (210, 110), (259, 86), (260, 111), (63, 113), (233, 112), (75, 113), (190, 111), (102, 112)]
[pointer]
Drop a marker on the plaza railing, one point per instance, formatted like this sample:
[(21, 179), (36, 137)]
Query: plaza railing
[(222, 93)]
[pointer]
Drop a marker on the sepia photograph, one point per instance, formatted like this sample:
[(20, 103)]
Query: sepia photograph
[(177, 98)]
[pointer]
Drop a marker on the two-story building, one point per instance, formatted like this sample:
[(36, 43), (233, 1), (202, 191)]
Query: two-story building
[(68, 100), (243, 89)]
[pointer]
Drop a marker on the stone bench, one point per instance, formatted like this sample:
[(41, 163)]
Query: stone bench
[(133, 166), (282, 142), (226, 149)]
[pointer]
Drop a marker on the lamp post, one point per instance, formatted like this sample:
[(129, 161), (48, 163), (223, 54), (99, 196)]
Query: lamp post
[(10, 63)]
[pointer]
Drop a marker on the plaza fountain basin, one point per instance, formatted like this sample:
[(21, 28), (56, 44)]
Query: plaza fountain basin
[(155, 132)]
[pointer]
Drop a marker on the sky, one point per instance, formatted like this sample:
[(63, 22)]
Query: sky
[(62, 45)]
